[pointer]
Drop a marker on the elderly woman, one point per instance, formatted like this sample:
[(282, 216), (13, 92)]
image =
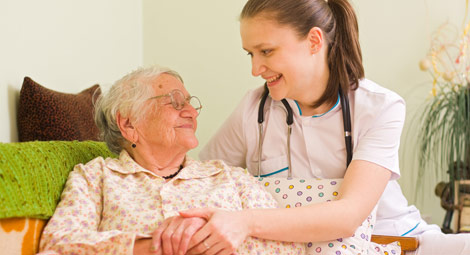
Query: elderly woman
[(115, 205)]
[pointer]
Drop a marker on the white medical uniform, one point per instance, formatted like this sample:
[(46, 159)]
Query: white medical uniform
[(318, 147)]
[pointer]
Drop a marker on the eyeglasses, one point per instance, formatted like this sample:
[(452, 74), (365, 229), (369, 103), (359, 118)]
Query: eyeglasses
[(178, 100)]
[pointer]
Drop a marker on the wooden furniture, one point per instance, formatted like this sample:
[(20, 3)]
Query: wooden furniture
[(461, 205), (406, 243)]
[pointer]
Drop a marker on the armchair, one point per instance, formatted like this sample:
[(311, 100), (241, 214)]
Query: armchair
[(32, 176)]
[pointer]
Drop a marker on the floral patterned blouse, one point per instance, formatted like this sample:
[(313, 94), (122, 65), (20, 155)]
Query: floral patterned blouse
[(107, 203)]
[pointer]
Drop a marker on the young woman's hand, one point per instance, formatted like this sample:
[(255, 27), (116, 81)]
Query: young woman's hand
[(223, 233), (173, 236)]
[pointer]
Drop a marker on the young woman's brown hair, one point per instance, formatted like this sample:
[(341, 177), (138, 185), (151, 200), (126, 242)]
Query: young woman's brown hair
[(337, 20)]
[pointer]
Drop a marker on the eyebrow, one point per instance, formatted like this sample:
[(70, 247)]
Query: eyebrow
[(258, 46)]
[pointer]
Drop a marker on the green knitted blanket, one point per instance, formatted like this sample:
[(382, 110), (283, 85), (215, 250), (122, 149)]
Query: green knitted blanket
[(33, 174)]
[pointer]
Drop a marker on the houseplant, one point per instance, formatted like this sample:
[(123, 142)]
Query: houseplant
[(444, 134)]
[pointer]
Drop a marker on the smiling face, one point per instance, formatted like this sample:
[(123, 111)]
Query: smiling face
[(164, 127), (287, 62)]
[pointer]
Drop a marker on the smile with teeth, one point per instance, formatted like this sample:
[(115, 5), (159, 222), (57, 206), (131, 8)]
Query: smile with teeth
[(273, 79)]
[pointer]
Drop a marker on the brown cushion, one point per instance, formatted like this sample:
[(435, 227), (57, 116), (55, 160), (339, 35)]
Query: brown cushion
[(44, 114)]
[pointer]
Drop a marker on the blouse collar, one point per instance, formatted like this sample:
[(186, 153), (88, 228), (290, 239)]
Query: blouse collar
[(191, 168)]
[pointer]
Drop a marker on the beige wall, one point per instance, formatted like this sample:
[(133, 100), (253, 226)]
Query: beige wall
[(395, 36), (200, 39), (64, 45)]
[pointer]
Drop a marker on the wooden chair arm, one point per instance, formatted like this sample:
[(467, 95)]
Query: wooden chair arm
[(406, 243)]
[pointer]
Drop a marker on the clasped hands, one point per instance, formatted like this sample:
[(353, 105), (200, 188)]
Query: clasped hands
[(196, 231)]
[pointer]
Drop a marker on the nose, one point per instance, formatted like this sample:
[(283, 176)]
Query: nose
[(189, 111), (257, 66)]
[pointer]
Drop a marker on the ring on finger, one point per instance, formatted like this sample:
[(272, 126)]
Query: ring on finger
[(205, 245)]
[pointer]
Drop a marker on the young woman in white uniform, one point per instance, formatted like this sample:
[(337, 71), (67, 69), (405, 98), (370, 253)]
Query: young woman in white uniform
[(308, 52)]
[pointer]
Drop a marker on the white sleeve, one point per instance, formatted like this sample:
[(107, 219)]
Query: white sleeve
[(380, 142), (229, 143)]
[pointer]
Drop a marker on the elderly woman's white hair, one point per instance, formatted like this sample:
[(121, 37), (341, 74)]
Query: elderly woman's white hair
[(127, 96)]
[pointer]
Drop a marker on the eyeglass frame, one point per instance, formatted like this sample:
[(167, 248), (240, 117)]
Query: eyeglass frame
[(186, 100)]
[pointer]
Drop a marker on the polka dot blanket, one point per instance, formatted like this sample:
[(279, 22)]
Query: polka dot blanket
[(300, 192)]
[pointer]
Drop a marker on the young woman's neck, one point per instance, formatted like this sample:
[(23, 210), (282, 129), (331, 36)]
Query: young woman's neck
[(312, 93)]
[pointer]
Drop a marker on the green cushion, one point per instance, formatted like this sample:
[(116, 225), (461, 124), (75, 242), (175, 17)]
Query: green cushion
[(33, 174)]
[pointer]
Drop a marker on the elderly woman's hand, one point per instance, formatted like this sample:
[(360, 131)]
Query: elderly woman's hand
[(142, 247), (223, 233), (173, 236)]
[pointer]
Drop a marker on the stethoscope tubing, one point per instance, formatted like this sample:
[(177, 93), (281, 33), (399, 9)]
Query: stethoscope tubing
[(347, 125), (346, 112)]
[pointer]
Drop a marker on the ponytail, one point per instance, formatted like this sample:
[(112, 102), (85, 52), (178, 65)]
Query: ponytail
[(344, 52)]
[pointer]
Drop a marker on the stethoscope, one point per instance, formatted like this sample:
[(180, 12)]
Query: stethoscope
[(290, 120)]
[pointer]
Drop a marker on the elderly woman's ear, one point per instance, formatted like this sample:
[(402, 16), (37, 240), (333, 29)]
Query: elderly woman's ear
[(128, 130)]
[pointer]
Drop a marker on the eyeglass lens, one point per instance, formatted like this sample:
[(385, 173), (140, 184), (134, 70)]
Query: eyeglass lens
[(194, 102), (178, 100)]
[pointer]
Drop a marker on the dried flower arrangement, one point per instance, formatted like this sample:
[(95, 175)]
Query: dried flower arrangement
[(444, 136)]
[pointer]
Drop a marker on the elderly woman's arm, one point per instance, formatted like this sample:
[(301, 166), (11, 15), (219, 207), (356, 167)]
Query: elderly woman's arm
[(74, 227)]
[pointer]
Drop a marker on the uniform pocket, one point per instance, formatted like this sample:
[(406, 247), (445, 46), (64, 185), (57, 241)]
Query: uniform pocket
[(276, 166)]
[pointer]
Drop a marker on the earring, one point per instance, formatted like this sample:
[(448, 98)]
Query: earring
[(133, 145)]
